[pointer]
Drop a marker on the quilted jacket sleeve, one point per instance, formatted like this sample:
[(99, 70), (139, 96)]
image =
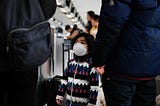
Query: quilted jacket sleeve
[(48, 7), (144, 4), (112, 19)]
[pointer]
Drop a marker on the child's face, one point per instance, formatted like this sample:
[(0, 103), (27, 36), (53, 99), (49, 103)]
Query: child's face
[(82, 41)]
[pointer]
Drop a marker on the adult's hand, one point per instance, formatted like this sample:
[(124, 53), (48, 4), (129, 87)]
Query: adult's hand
[(90, 104), (100, 70)]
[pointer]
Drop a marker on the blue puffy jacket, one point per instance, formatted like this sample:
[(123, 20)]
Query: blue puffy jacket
[(128, 40)]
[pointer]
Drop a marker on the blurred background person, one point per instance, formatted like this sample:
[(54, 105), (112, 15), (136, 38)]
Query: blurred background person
[(89, 17), (95, 23), (73, 31)]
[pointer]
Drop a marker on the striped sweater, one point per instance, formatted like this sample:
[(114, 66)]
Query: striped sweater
[(80, 84)]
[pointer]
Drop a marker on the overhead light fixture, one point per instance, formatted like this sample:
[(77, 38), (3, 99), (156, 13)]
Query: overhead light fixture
[(75, 19), (72, 13), (68, 3), (66, 9), (78, 23), (80, 26), (61, 3)]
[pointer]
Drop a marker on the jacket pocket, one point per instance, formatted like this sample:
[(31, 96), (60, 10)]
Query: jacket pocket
[(29, 47)]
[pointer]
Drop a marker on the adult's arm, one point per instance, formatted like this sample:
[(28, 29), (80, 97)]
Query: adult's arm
[(112, 20), (145, 4)]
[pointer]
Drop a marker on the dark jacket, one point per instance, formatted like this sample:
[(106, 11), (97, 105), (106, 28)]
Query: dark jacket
[(128, 40), (21, 14)]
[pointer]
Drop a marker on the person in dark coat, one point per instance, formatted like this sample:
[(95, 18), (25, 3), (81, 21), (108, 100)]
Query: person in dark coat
[(127, 51), (17, 88)]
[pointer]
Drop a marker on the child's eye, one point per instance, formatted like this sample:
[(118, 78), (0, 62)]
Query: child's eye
[(83, 42)]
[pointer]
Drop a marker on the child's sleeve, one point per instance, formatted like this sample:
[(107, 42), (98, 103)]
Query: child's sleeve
[(62, 86), (94, 86)]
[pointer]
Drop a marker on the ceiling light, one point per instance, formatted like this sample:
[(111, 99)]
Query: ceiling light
[(61, 3), (72, 13), (66, 9)]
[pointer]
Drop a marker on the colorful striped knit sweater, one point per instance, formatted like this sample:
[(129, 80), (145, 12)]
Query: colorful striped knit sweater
[(80, 84)]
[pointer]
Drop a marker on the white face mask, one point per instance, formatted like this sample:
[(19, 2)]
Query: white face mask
[(79, 49)]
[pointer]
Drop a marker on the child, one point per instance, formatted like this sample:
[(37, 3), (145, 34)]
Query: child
[(80, 80)]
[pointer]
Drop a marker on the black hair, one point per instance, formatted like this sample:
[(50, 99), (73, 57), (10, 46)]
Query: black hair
[(67, 27), (75, 27), (95, 17), (90, 13), (89, 40), (89, 26)]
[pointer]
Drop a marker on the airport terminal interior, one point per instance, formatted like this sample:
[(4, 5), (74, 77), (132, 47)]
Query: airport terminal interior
[(70, 14)]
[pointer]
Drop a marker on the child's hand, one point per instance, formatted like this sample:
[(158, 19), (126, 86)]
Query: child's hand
[(59, 102), (90, 104)]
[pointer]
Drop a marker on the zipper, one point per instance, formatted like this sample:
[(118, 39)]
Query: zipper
[(72, 83), (26, 29)]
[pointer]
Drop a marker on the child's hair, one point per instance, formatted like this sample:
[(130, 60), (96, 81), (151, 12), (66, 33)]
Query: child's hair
[(89, 40)]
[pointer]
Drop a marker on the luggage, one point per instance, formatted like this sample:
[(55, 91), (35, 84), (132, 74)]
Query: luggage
[(47, 91), (53, 85)]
